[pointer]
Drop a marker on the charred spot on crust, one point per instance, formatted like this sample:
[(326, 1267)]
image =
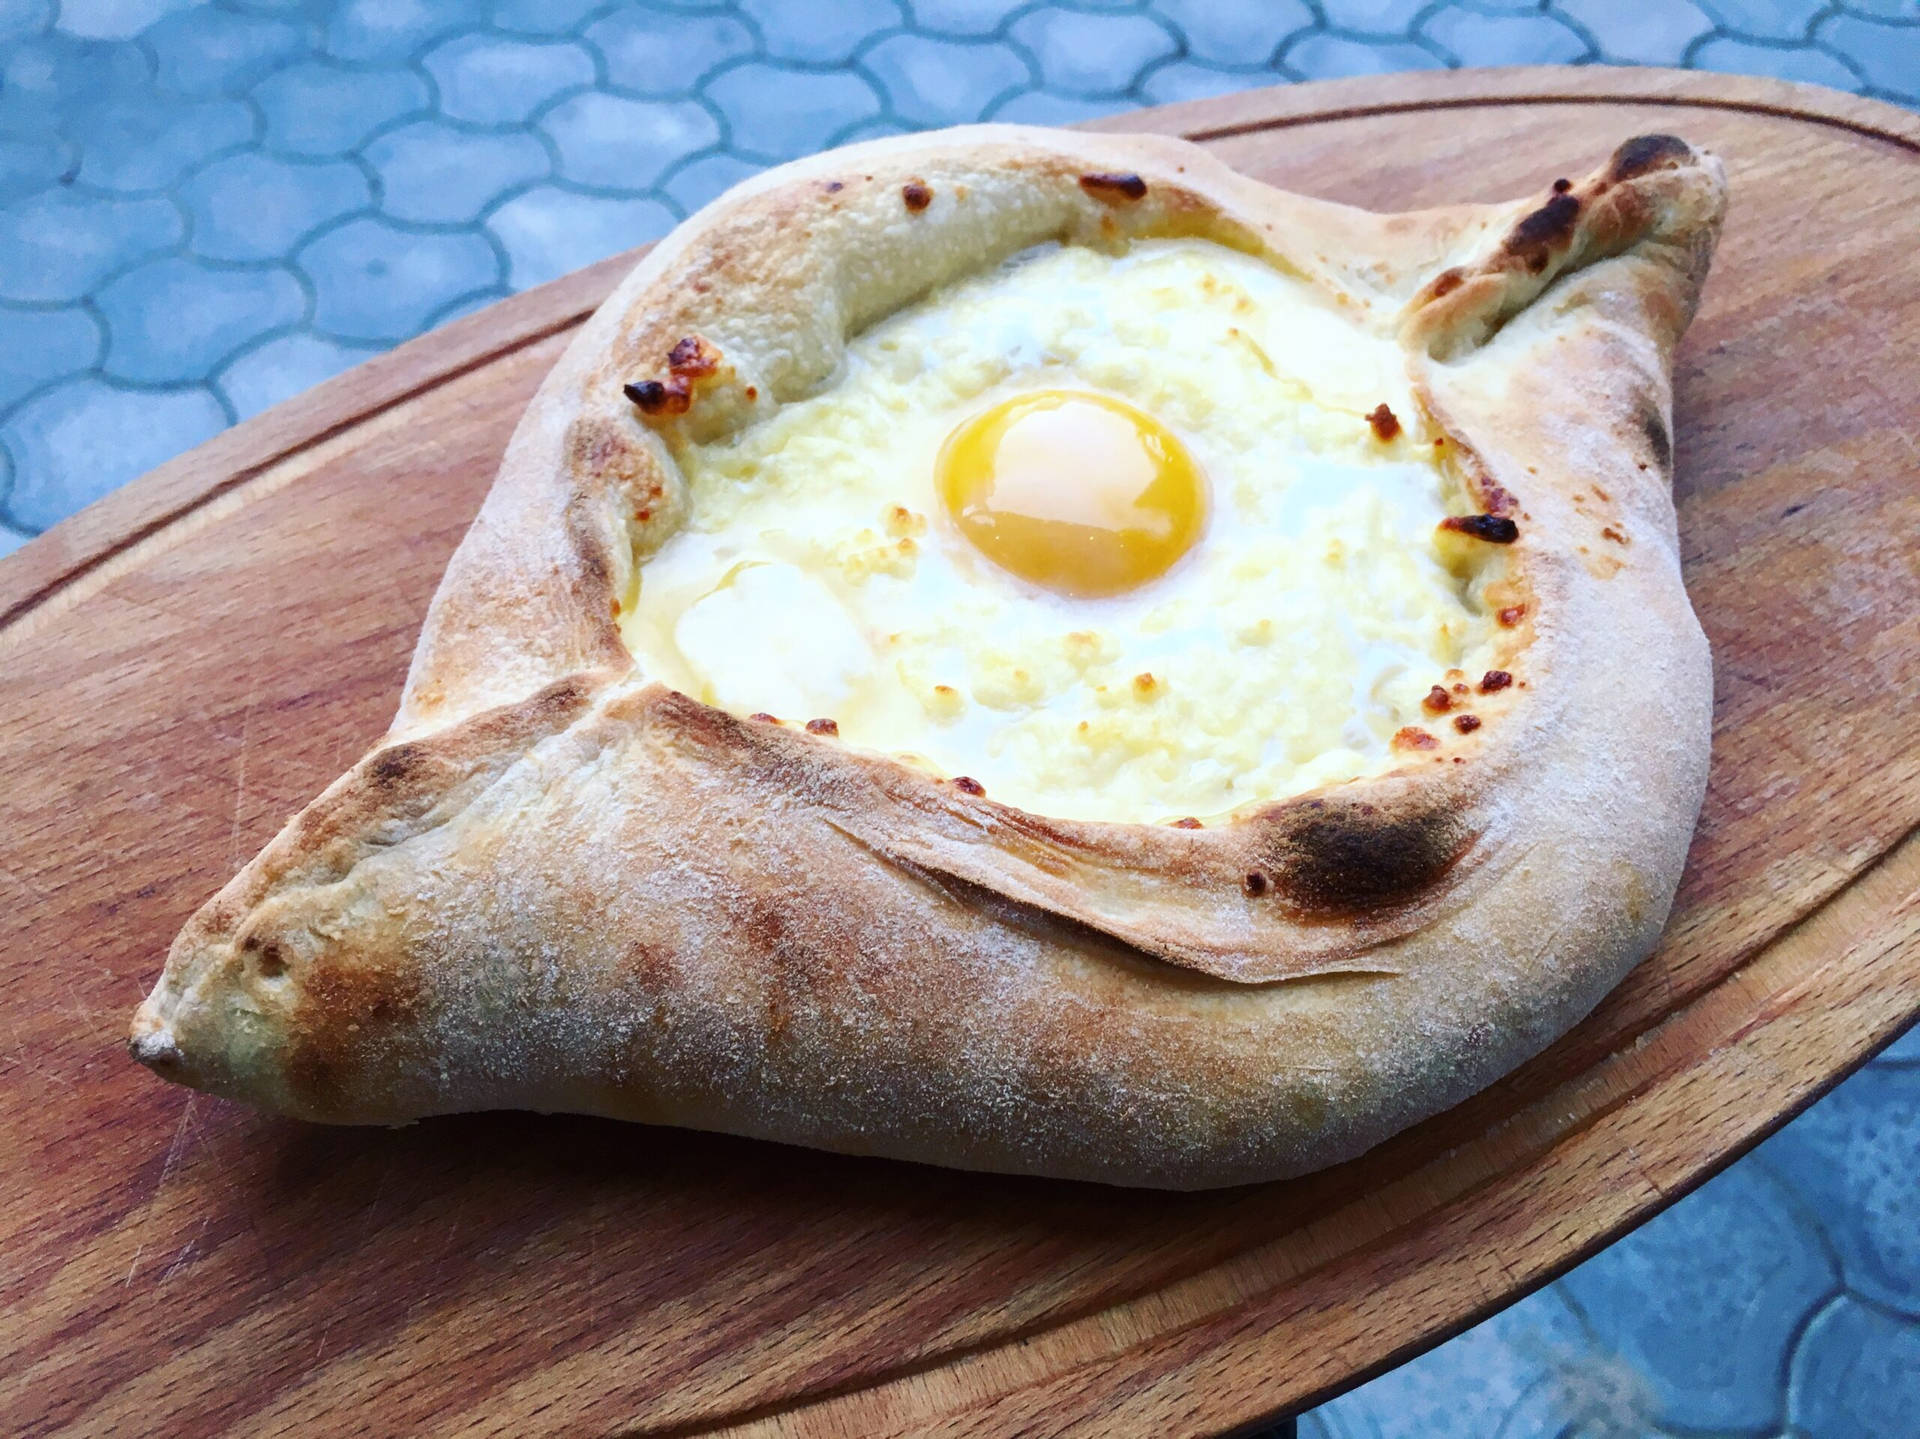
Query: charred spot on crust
[(1496, 500), (1644, 154), (917, 195), (560, 700), (599, 446), (1255, 884), (1494, 680), (822, 726), (596, 565), (1114, 188), (1189, 822), (967, 784), (1446, 282), (269, 956), (1494, 529), (394, 767), (1608, 532), (1438, 701), (348, 1002), (1512, 615), (1337, 858), (1413, 737), (1560, 187), (1385, 423), (834, 187), (1466, 724), (1547, 229), (1659, 442), (764, 718)]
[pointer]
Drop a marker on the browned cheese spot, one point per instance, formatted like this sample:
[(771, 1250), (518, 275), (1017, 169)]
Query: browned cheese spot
[(651, 396), (1114, 188), (1466, 724), (1494, 680), (1386, 424), (967, 784), (1437, 702), (691, 358), (1512, 615), (1446, 282), (1494, 529), (917, 194), (1413, 737), (822, 726), (1459, 688), (1608, 532)]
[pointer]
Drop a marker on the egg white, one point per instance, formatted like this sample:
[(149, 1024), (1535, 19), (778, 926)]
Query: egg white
[(818, 575)]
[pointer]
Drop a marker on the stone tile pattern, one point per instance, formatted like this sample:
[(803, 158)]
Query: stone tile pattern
[(208, 207)]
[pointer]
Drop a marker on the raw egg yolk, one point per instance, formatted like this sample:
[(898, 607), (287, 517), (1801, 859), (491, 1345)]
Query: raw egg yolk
[(1078, 492)]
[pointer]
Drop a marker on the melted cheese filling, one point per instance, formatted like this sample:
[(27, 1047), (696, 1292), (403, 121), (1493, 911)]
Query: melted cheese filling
[(822, 574)]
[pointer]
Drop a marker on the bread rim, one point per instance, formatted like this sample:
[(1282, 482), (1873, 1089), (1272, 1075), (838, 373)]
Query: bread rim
[(556, 884)]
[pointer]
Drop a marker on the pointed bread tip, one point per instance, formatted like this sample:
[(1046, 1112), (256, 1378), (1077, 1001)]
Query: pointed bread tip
[(151, 1043)]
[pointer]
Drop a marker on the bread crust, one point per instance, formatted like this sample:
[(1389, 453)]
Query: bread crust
[(557, 884)]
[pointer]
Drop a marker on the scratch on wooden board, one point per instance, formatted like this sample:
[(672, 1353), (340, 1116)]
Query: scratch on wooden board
[(187, 1250), (139, 1249), (84, 1014), (179, 1143), (21, 887), (240, 776), (22, 1056)]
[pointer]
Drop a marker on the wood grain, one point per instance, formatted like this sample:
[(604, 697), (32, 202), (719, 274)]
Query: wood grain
[(188, 661)]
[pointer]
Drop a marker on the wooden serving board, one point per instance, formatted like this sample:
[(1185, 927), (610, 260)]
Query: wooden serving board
[(186, 663)]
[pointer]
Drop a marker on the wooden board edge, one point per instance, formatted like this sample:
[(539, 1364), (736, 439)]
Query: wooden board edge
[(397, 382), (1279, 106), (1177, 1362), (146, 506)]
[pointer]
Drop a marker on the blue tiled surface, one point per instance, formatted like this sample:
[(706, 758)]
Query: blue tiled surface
[(206, 208)]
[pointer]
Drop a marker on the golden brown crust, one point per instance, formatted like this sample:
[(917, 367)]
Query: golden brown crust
[(560, 885)]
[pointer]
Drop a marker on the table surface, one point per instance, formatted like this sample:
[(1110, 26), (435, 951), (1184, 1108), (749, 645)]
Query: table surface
[(1829, 1203)]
